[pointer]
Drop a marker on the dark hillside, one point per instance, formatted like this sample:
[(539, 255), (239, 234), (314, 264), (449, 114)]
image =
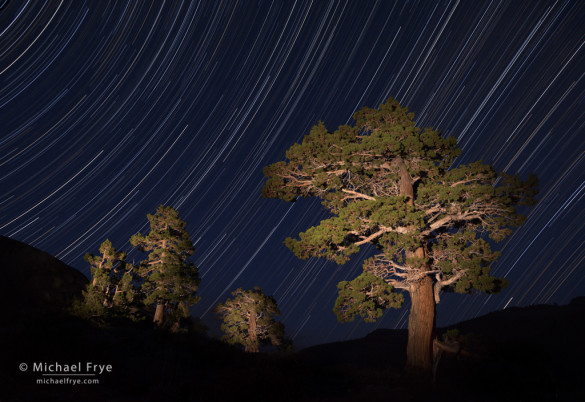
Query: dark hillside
[(533, 353), (34, 281), (530, 353)]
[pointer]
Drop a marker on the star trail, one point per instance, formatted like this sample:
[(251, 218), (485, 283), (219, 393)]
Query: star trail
[(109, 109)]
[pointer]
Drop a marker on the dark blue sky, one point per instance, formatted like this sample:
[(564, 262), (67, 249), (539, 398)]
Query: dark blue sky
[(111, 109)]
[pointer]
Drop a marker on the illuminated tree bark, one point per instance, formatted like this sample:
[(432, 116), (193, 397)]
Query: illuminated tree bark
[(421, 321), (252, 346), (421, 326), (159, 313)]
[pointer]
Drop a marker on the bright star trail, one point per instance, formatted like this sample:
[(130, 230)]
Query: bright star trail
[(109, 109)]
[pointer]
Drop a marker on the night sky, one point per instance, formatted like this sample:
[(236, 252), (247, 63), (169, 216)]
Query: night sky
[(109, 109)]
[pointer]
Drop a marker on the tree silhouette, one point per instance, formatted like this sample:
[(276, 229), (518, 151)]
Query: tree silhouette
[(390, 184), (169, 280), (248, 319)]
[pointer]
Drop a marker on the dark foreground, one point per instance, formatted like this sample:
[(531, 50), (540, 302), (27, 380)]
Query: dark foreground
[(520, 354)]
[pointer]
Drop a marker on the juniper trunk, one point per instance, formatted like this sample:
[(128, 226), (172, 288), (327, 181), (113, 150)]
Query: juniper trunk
[(160, 308), (421, 322), (252, 344), (421, 326), (159, 313)]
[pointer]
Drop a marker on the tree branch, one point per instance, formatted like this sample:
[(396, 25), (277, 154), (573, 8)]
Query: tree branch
[(359, 195), (441, 284)]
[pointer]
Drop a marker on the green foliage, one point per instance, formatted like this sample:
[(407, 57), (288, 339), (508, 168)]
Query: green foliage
[(168, 277), (367, 296), (249, 319), (390, 184), (111, 291)]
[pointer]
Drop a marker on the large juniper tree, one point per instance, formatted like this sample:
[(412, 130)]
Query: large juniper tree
[(169, 280), (391, 184), (249, 319)]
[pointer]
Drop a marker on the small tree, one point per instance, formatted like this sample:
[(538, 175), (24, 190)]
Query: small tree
[(248, 319), (111, 291), (390, 184), (169, 280)]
